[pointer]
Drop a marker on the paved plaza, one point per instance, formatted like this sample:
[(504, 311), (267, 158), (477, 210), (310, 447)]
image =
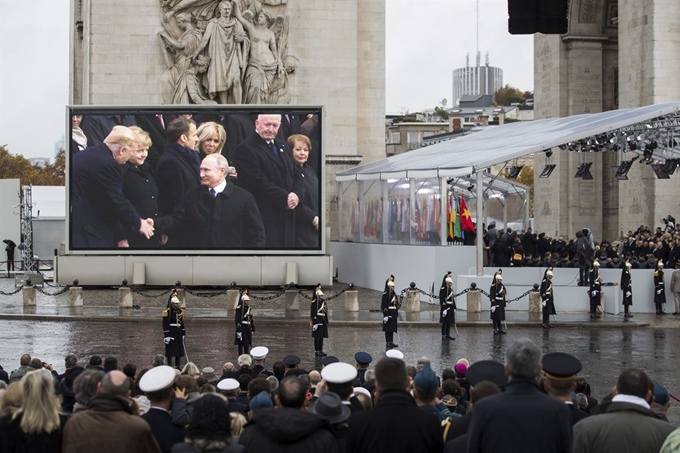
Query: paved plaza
[(52, 329)]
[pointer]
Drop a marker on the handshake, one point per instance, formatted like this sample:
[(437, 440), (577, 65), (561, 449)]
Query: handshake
[(146, 227)]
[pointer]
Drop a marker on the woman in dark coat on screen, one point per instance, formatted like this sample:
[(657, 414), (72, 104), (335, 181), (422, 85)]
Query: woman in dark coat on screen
[(307, 212)]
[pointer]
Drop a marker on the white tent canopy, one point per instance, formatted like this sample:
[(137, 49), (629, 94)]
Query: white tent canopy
[(464, 155)]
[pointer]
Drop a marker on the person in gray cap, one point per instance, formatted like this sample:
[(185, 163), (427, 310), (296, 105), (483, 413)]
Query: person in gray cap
[(425, 390), (330, 407)]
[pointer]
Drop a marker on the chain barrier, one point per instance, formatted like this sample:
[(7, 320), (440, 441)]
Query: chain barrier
[(11, 293), (150, 296), (57, 293), (466, 290), (329, 298), (275, 296), (521, 296), (203, 295)]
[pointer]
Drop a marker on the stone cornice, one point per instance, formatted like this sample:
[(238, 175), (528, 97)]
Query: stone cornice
[(595, 38), (342, 159)]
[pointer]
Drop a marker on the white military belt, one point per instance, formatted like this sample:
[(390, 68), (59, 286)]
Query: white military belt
[(392, 308), (320, 314), (449, 303), (245, 322), (175, 325)]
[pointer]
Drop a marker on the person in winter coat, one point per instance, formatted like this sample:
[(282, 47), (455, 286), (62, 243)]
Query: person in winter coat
[(447, 307), (584, 255)]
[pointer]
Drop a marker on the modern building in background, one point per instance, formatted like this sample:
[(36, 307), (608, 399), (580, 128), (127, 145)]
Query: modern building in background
[(476, 80)]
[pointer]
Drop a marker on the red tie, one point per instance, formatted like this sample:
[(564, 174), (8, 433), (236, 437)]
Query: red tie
[(160, 119), (120, 120)]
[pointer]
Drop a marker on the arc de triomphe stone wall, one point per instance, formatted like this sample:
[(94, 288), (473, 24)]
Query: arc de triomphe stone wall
[(338, 50), (617, 54)]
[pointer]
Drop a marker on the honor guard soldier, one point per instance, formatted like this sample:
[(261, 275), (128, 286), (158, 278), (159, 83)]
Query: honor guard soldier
[(363, 360), (447, 307), (547, 299), (158, 386), (595, 288), (560, 374), (173, 330), (259, 354), (627, 288), (497, 294), (390, 310), (318, 316), (243, 318), (659, 289)]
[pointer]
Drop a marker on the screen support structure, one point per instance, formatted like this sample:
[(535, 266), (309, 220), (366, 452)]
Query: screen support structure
[(29, 262)]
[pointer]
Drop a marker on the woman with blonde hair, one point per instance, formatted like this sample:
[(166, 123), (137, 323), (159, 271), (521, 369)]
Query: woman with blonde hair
[(192, 370), (12, 399), (37, 425), (211, 139)]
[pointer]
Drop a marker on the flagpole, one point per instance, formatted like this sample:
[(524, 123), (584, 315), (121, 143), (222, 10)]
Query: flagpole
[(480, 238)]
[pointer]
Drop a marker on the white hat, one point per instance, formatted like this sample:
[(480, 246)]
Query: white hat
[(259, 352), (548, 273), (596, 263), (362, 390), (339, 373), (157, 378), (228, 384), (245, 297), (390, 283), (174, 299), (499, 277), (395, 354), (448, 280)]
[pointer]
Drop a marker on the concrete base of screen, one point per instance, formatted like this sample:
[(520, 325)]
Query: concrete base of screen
[(193, 270)]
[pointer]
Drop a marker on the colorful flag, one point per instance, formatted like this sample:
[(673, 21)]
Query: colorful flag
[(456, 225), (451, 214), (466, 220)]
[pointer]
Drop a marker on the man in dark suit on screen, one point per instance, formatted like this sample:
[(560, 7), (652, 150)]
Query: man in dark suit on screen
[(266, 169), (97, 199), (218, 214)]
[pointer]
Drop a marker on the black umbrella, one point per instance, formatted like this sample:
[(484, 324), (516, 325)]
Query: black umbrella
[(9, 242)]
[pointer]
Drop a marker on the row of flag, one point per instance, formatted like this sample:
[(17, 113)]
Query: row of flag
[(426, 218)]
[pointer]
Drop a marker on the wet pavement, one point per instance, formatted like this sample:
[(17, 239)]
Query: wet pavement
[(53, 329)]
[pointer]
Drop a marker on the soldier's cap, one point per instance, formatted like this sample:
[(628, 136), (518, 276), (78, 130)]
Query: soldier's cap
[(262, 399), (596, 263), (426, 380), (174, 299), (259, 352), (448, 280), (157, 378), (328, 360), (364, 358), (499, 277), (560, 366), (228, 384), (487, 370), (363, 390), (628, 264), (390, 283), (291, 360), (548, 273), (395, 354), (339, 373), (659, 264), (245, 297), (329, 407)]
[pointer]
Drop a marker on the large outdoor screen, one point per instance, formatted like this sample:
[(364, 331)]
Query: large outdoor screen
[(238, 180)]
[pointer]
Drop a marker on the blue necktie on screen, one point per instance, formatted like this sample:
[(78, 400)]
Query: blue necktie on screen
[(273, 146), (213, 194)]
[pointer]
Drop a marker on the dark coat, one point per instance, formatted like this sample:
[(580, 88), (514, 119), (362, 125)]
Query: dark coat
[(157, 134), (238, 127), (576, 414), (243, 320), (229, 221), (542, 247), (502, 253), (13, 439), (447, 303), (318, 314), (395, 424), (287, 430), (595, 286), (498, 294), (97, 200), (98, 127), (306, 236), (520, 419), (173, 327), (166, 433), (187, 448), (139, 186), (270, 178), (530, 243), (547, 297), (626, 286), (390, 310), (659, 288), (177, 172)]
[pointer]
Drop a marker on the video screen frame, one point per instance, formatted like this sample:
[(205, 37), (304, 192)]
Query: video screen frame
[(295, 117)]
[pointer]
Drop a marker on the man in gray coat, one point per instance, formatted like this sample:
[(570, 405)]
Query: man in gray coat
[(628, 425), (675, 287)]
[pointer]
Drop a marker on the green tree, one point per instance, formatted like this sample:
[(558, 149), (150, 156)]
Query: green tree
[(17, 166), (442, 113), (508, 95)]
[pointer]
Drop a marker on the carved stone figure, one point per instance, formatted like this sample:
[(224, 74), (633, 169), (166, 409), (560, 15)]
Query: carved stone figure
[(189, 89), (247, 50)]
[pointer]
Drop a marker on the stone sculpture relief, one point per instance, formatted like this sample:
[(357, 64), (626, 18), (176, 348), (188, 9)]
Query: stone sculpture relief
[(588, 11), (237, 49)]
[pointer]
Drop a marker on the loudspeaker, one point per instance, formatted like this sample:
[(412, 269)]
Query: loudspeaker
[(527, 17)]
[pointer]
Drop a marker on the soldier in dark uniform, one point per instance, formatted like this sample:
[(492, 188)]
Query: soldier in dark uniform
[(390, 310), (243, 318), (627, 288), (595, 288), (659, 289), (447, 307), (498, 293), (547, 299), (173, 330), (319, 319)]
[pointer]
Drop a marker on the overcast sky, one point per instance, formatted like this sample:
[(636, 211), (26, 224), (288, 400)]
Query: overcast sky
[(426, 40)]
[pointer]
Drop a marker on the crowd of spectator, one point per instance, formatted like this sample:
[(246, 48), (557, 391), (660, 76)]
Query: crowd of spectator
[(643, 248), (533, 402)]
